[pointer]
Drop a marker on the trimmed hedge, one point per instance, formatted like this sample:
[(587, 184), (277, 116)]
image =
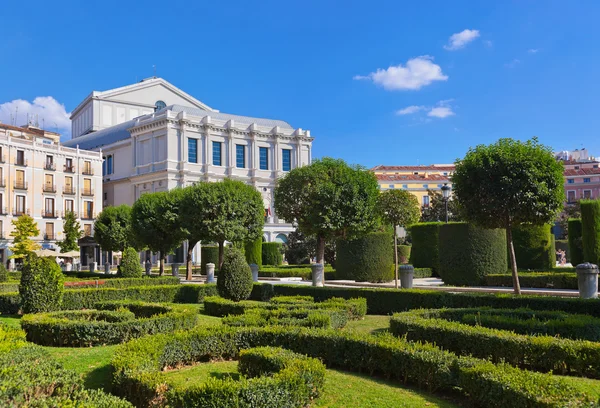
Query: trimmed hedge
[(235, 276), (271, 253), (294, 271), (110, 324), (553, 280), (42, 285), (7, 287), (425, 241), (469, 253), (575, 241), (208, 254), (253, 251), (534, 247), (590, 230), (538, 353), (366, 259), (3, 273), (562, 244), (137, 364), (403, 253)]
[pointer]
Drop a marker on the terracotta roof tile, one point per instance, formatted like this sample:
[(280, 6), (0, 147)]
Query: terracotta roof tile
[(412, 177), (413, 168)]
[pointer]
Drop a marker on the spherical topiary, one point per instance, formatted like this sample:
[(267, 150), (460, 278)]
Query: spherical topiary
[(3, 273), (575, 241), (253, 251), (209, 254), (469, 253), (130, 264), (235, 278), (272, 253), (425, 252), (42, 285), (533, 247), (366, 259)]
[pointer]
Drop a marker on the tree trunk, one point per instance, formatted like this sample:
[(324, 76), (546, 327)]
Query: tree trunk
[(188, 260), (161, 266), (221, 253), (513, 261), (396, 257)]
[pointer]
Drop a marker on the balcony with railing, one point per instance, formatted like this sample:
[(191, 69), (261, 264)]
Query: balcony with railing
[(64, 213), (49, 236), (17, 212), (87, 192), (88, 215), (49, 214), (68, 190), (69, 169), (50, 166), (87, 171), (21, 162), (20, 185), (49, 188)]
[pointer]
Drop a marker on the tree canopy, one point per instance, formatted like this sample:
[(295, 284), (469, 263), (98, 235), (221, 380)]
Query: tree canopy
[(507, 184), (112, 229), (25, 229), (71, 231), (437, 208)]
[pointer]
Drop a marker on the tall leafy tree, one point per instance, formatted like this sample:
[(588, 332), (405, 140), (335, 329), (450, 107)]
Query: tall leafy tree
[(437, 208), (112, 229), (328, 199), (191, 219), (398, 208), (25, 228), (155, 222), (71, 231), (507, 184)]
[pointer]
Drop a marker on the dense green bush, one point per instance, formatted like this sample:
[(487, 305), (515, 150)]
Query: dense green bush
[(533, 247), (235, 277), (366, 259), (563, 244), (469, 253), (11, 338), (137, 365), (42, 285), (3, 273), (425, 240), (552, 280), (209, 254), (112, 323), (575, 241), (125, 282), (294, 271), (403, 253), (253, 251), (272, 253), (130, 264), (590, 230)]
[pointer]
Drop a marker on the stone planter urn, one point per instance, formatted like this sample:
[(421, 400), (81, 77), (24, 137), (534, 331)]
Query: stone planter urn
[(317, 274), (210, 273), (587, 280), (406, 273)]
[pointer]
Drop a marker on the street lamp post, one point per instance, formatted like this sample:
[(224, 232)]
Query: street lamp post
[(446, 195)]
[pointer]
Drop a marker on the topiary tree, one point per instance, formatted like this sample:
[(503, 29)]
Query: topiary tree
[(253, 251), (42, 285), (425, 245), (71, 231), (3, 273), (235, 277), (533, 247), (398, 208), (271, 253), (209, 254), (366, 259), (25, 228), (112, 228), (575, 241), (130, 264), (507, 184), (590, 230)]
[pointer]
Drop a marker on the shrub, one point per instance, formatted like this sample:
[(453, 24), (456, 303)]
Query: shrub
[(271, 253), (469, 253), (11, 338), (130, 264), (403, 253), (235, 277), (563, 244), (253, 251), (533, 247), (3, 273), (424, 252), (575, 241), (42, 285), (366, 259), (553, 280), (209, 254), (590, 230)]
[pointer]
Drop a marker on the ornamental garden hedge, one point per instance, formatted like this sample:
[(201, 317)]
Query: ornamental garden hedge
[(469, 253), (534, 247), (590, 230), (575, 241), (425, 240), (272, 253), (253, 251), (208, 254), (366, 259)]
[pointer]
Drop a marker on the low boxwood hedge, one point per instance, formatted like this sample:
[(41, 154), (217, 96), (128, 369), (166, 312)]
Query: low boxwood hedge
[(112, 323), (554, 280), (294, 271), (137, 364), (7, 287), (538, 353)]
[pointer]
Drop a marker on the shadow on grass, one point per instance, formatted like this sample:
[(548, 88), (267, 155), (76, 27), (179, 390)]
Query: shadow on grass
[(225, 376), (99, 378)]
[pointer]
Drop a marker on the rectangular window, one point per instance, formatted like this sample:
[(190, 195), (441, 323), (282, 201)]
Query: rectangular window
[(87, 230), (240, 156), (587, 194), (109, 165), (69, 206), (586, 180), (69, 165), (571, 196), (192, 150), (49, 231), (88, 209), (104, 166), (425, 201), (392, 186), (87, 168), (264, 158), (20, 179), (216, 153), (20, 204), (425, 185), (404, 185), (20, 157), (570, 181), (87, 186), (49, 162), (49, 207), (286, 159)]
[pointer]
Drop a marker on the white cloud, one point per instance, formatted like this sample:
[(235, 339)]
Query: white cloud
[(50, 113), (533, 50), (441, 112), (460, 40), (417, 73), (409, 110), (513, 63)]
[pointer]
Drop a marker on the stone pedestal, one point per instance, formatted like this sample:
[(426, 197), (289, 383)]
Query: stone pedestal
[(210, 273), (587, 280), (407, 273), (107, 268), (317, 274), (175, 269), (93, 266), (254, 269), (148, 266)]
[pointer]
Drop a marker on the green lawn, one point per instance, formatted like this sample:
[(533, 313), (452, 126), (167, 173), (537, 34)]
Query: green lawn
[(371, 324), (11, 320)]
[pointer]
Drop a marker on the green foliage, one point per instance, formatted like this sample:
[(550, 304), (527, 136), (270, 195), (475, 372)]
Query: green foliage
[(112, 323), (209, 254), (469, 253), (436, 211), (425, 241), (130, 264), (42, 285), (328, 199), (272, 253), (235, 278), (552, 280), (300, 248), (294, 271), (538, 353), (404, 253), (3, 273), (112, 228), (570, 210), (71, 231), (25, 228), (11, 338), (533, 247), (369, 258), (575, 241), (253, 251), (398, 207), (590, 230)]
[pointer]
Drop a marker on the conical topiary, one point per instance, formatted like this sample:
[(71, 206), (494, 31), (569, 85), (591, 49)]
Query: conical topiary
[(235, 278), (130, 264)]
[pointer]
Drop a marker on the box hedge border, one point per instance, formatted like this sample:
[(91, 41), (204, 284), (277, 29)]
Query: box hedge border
[(554, 280)]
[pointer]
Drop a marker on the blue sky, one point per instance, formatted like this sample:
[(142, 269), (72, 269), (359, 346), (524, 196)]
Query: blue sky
[(469, 72)]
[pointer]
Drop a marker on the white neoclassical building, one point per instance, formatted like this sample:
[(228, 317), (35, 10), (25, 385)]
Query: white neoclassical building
[(176, 145)]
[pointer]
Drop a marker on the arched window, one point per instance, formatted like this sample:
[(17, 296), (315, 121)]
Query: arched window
[(281, 238), (159, 105)]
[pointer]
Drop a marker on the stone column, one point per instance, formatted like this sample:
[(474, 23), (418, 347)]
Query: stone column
[(406, 276), (107, 268), (210, 273), (587, 279), (317, 274), (254, 269)]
